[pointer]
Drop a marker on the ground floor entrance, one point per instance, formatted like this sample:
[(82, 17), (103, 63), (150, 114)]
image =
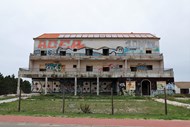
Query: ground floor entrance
[(146, 87)]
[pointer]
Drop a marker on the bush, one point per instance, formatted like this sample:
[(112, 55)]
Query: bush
[(85, 108)]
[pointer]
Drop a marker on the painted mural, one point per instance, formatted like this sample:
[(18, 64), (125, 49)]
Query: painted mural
[(55, 86), (130, 85), (116, 47), (54, 67), (161, 85)]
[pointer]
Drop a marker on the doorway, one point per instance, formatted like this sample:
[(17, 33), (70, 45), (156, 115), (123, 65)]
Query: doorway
[(145, 87)]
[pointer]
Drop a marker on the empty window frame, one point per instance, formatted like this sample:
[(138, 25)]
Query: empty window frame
[(62, 53), (89, 52), (89, 68), (106, 52), (133, 68), (120, 66), (74, 66), (74, 50), (184, 91), (43, 53), (42, 69), (149, 67), (148, 51), (106, 69)]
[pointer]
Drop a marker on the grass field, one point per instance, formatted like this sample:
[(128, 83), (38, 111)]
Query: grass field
[(100, 107), (6, 97)]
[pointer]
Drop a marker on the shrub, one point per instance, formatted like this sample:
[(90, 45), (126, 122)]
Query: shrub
[(85, 108)]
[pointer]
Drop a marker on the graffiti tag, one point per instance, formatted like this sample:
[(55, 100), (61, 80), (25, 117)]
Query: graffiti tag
[(53, 44)]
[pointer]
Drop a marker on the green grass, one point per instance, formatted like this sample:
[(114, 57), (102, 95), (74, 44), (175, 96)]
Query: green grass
[(124, 107), (6, 97)]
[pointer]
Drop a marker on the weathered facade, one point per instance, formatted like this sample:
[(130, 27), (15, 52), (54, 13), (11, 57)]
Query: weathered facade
[(95, 62)]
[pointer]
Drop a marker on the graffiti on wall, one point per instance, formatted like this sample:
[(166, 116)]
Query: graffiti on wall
[(161, 85), (68, 85), (54, 44), (52, 47), (54, 67), (130, 85)]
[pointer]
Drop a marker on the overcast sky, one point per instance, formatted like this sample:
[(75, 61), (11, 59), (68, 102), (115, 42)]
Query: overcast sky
[(22, 20)]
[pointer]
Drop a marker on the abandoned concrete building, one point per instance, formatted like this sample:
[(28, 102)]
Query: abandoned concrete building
[(93, 63)]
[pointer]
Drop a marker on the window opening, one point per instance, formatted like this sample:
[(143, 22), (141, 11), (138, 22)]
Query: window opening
[(148, 51), (62, 53), (89, 52), (89, 68), (106, 69), (43, 53), (106, 52)]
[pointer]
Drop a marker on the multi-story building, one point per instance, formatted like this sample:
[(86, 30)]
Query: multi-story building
[(96, 62)]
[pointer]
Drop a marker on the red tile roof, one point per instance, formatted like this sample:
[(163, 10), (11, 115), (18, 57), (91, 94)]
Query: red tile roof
[(96, 35)]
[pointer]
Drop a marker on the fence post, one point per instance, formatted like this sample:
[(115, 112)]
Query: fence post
[(19, 99), (165, 99), (112, 106), (63, 97)]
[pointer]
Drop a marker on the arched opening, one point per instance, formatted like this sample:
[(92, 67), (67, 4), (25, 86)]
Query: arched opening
[(145, 87)]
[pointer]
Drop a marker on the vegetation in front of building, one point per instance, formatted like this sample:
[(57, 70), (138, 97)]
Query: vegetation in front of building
[(8, 85), (95, 106)]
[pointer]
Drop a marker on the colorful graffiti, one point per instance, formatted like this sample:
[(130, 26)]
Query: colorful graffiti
[(54, 67), (52, 47), (53, 44)]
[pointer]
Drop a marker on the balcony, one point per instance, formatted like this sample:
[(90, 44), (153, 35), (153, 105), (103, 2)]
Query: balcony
[(79, 56), (35, 73)]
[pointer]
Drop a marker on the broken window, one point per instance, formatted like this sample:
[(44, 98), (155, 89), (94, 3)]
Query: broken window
[(106, 69), (89, 68), (62, 53), (106, 52), (43, 53), (89, 52), (148, 51)]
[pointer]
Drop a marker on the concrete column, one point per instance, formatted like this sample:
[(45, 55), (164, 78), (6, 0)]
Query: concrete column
[(98, 86), (125, 67), (78, 67), (75, 85), (18, 85), (46, 83)]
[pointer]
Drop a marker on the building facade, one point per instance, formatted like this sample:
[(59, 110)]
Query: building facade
[(182, 87), (93, 63)]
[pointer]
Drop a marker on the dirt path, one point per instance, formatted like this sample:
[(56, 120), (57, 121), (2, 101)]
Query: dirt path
[(174, 103)]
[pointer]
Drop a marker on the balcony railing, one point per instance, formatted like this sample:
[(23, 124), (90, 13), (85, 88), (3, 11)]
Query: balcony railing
[(35, 73)]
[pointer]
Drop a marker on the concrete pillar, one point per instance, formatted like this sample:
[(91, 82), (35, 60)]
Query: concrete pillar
[(46, 83), (98, 86), (18, 85), (75, 85), (78, 67), (125, 67)]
